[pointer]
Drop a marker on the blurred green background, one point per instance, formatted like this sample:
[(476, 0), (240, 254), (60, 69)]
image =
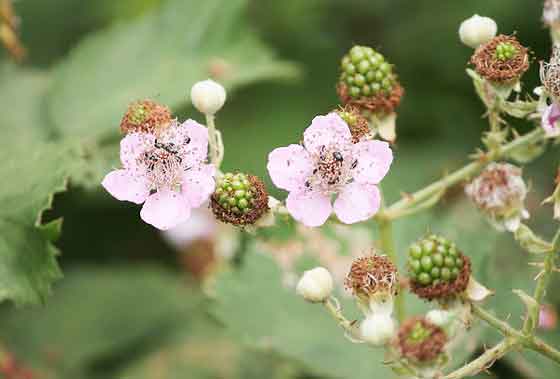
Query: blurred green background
[(126, 308)]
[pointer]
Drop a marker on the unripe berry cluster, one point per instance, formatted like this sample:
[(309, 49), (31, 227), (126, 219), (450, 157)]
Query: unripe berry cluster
[(433, 260), (239, 198), (502, 60), (366, 73), (357, 123), (145, 116), (436, 268), (505, 51), (420, 340)]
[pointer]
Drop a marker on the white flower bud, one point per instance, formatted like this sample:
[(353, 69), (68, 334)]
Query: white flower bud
[(439, 317), (208, 96), (477, 30), (315, 285), (377, 329)]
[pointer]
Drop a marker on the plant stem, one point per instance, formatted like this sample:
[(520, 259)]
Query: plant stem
[(399, 208), (212, 140), (531, 321), (506, 329), (484, 361), (333, 307), (388, 247)]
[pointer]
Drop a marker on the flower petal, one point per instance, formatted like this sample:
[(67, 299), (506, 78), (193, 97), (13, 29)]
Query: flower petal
[(550, 117), (165, 209), (357, 202), (125, 186), (194, 137), (374, 160), (324, 131), (310, 208), (133, 145), (198, 184), (289, 167)]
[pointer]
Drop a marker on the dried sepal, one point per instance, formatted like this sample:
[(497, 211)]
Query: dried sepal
[(357, 123), (380, 103)]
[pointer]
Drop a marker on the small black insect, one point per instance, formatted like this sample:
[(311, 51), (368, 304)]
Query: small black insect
[(337, 156)]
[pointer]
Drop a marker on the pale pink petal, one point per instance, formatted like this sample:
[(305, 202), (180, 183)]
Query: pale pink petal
[(310, 208), (289, 167), (550, 117), (125, 186), (374, 159), (357, 202), (133, 145), (198, 184), (324, 131), (165, 209), (194, 138)]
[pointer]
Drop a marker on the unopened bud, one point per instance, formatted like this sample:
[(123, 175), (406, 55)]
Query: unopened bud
[(439, 317), (377, 329), (208, 96), (477, 30), (315, 285)]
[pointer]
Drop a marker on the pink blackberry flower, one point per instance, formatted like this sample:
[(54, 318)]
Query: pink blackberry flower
[(167, 172), (550, 118), (328, 164)]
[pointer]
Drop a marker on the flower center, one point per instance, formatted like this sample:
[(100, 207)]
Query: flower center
[(333, 166), (164, 165)]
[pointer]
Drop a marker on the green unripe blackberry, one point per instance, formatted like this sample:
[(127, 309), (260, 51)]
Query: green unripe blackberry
[(361, 68), (505, 51), (420, 340), (239, 199), (436, 268), (367, 80)]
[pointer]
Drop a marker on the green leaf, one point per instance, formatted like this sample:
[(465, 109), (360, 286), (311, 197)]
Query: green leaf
[(100, 316), (32, 173), (22, 100), (159, 55), (256, 308)]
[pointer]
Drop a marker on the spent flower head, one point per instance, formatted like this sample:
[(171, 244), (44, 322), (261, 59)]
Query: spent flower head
[(328, 164), (420, 341), (239, 199), (374, 281), (357, 123), (145, 116), (501, 60), (499, 191), (166, 171), (367, 81), (437, 269), (550, 74)]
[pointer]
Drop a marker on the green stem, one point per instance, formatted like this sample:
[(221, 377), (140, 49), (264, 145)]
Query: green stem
[(531, 321), (484, 361), (388, 247), (212, 140), (399, 208), (333, 307), (506, 329)]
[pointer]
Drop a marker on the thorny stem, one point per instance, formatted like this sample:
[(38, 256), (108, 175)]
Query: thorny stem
[(484, 361), (333, 307), (400, 208)]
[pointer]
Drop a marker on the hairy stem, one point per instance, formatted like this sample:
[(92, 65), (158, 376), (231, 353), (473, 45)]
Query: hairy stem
[(531, 321), (333, 307), (213, 141), (484, 361), (399, 208)]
